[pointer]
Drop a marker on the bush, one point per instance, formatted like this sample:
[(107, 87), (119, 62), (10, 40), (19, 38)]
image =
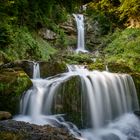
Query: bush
[(5, 35), (125, 48), (27, 45)]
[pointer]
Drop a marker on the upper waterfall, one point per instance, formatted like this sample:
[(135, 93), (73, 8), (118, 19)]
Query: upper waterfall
[(81, 33)]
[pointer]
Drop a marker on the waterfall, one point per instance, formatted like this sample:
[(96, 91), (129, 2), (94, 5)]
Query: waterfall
[(36, 70), (108, 95), (80, 28)]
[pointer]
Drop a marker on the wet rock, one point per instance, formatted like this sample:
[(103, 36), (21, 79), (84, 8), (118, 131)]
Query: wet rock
[(52, 68), (137, 113), (5, 115), (25, 65), (26, 131), (68, 100), (110, 137)]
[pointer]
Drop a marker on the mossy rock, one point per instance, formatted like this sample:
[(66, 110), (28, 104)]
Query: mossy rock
[(96, 66), (26, 65), (111, 66), (119, 67), (52, 68), (13, 82), (81, 58), (70, 100)]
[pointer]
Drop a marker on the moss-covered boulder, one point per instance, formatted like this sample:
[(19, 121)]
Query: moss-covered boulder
[(119, 67), (13, 82), (96, 66), (70, 100), (111, 67)]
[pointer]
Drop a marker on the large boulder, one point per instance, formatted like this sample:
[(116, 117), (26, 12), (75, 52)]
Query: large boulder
[(13, 130), (70, 100), (13, 82)]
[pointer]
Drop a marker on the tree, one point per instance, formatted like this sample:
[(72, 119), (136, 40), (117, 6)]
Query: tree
[(129, 9)]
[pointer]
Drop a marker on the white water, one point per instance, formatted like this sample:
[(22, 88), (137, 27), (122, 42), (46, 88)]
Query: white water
[(36, 70), (109, 95), (126, 127), (81, 35)]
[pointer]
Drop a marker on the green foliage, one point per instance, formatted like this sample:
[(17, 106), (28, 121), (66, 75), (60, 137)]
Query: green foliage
[(101, 20), (61, 41), (117, 11), (25, 12), (106, 12), (5, 35), (125, 48), (25, 45), (12, 84), (129, 8)]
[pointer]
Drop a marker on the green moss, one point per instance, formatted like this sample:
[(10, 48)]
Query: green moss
[(12, 84), (68, 100), (119, 67), (96, 66), (12, 136), (81, 58)]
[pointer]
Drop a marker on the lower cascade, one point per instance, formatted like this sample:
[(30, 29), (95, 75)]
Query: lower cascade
[(107, 101)]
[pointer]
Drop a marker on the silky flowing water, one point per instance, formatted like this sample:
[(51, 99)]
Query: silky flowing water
[(111, 98), (79, 18)]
